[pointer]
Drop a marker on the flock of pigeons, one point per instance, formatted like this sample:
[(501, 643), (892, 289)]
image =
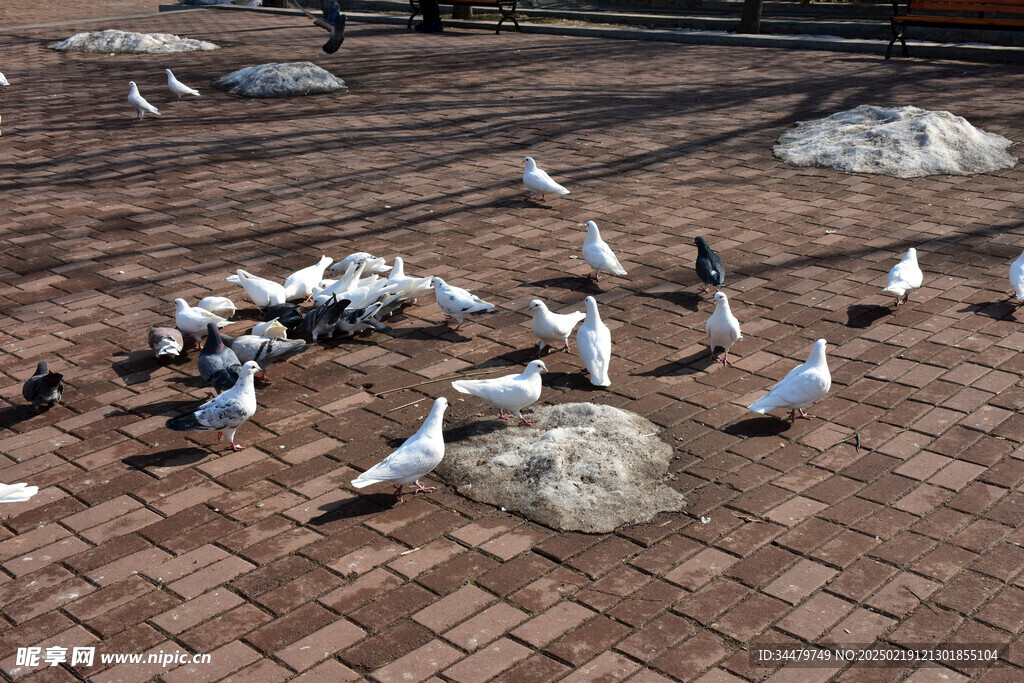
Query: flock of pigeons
[(353, 295)]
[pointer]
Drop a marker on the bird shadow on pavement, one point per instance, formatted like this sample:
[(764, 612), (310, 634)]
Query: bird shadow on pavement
[(514, 360), (12, 415), (573, 283), (479, 426), (136, 367), (758, 426), (425, 333), (168, 408), (175, 457), (691, 365), (352, 507), (570, 380), (863, 315), (997, 310), (683, 299)]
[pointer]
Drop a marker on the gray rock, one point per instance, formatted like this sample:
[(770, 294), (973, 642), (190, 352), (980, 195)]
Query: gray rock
[(287, 79), (122, 42), (582, 467)]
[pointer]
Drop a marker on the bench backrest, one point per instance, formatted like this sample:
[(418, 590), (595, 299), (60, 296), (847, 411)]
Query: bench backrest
[(1003, 7)]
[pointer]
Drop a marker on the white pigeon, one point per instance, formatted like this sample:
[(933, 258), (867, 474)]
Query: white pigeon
[(553, 328), (139, 102), (192, 320), (594, 342), (510, 393), (598, 254), (1017, 277), (417, 457), (16, 493), (804, 385), (177, 87), (261, 291), (537, 181), (218, 305), (904, 277), (300, 284), (374, 264), (3, 81), (722, 327), (271, 329), (226, 413), (404, 286), (457, 302)]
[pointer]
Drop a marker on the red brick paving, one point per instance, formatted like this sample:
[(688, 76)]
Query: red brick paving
[(143, 540)]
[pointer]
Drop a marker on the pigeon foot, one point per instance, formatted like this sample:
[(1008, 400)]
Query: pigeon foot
[(236, 447), (420, 488)]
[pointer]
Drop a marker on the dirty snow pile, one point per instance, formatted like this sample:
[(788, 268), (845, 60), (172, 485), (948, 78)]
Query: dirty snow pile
[(581, 467), (280, 80), (904, 142), (122, 42)]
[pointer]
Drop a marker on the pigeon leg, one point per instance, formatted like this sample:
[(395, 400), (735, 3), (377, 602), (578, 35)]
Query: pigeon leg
[(502, 415), (220, 435), (457, 327), (566, 348), (725, 358), (805, 416), (704, 289), (597, 276), (420, 488), (539, 352), (526, 422), (398, 492), (236, 447)]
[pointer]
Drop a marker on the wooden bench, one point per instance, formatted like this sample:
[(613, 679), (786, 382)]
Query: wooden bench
[(1007, 15), (507, 8)]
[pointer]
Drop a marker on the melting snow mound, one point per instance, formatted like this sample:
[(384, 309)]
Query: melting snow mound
[(122, 42), (285, 79), (582, 467), (905, 142)]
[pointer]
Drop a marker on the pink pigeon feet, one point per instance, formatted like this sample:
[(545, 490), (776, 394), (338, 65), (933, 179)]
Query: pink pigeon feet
[(803, 415), (528, 423), (236, 447), (420, 488), (503, 416)]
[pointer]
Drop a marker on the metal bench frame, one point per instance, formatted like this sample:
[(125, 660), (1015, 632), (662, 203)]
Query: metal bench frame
[(955, 14), (507, 8)]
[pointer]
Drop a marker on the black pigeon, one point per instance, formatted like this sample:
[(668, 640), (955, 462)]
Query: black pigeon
[(289, 315), (218, 364), (333, 21), (43, 387), (710, 268), (359, 319)]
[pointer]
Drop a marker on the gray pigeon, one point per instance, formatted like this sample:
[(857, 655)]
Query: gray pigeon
[(710, 268), (218, 364), (264, 351), (43, 387)]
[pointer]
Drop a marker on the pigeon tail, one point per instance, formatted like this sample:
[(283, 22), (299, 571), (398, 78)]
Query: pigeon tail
[(185, 423)]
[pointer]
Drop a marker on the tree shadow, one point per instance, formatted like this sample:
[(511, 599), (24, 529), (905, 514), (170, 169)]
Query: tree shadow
[(354, 506), (864, 315), (176, 457), (514, 360), (759, 426), (997, 310)]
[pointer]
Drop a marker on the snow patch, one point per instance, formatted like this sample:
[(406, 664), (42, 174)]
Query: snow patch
[(582, 467), (122, 42), (903, 142), (286, 79)]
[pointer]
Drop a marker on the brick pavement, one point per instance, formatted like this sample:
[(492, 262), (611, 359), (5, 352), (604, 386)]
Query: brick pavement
[(143, 540)]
